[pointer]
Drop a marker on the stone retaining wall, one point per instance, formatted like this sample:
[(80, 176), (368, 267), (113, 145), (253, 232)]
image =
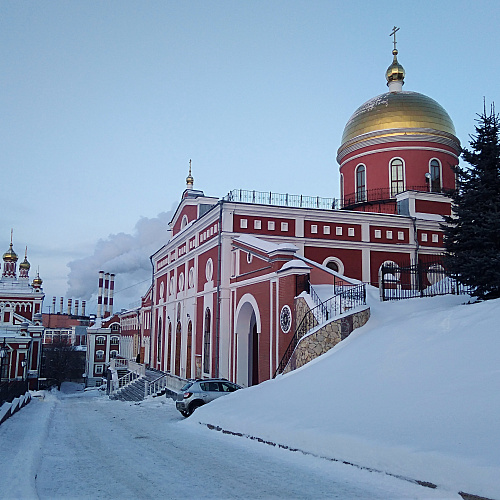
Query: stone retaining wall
[(328, 336)]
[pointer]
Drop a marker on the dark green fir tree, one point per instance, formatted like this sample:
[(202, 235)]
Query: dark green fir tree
[(472, 234)]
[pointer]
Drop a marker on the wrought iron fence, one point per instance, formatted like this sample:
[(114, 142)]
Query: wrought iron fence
[(348, 298), (427, 278), (11, 390), (282, 200)]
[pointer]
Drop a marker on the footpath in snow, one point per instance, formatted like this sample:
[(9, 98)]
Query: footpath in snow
[(415, 393), (81, 445)]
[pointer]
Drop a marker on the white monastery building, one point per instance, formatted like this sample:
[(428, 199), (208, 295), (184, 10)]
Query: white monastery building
[(226, 284), (21, 328)]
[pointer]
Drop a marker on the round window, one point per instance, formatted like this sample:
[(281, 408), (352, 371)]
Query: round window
[(209, 270), (191, 278), (285, 319)]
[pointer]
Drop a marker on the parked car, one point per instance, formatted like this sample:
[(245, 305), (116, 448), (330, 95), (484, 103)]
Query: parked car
[(199, 392)]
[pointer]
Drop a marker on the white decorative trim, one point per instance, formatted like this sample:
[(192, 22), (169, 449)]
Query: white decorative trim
[(399, 148)]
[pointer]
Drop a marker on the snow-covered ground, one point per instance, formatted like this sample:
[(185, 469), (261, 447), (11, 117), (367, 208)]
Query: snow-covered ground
[(414, 393), (82, 445)]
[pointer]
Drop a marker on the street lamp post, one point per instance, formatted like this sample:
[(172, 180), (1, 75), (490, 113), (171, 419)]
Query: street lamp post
[(4, 352), (24, 364)]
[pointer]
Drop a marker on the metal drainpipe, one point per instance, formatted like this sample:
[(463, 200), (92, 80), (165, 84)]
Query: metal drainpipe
[(219, 268), (152, 309)]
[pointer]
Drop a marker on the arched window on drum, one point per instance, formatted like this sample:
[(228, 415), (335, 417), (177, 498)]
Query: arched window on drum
[(396, 172), (360, 183), (435, 180)]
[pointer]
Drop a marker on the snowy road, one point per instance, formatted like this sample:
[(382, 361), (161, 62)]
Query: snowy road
[(80, 445)]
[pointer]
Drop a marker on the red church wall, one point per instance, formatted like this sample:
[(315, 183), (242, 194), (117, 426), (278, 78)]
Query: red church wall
[(432, 207), (388, 234), (430, 238), (329, 231), (287, 286), (264, 225), (351, 258), (255, 265), (202, 262), (190, 211)]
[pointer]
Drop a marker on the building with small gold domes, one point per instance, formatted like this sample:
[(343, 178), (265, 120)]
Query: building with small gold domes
[(21, 328), (237, 276)]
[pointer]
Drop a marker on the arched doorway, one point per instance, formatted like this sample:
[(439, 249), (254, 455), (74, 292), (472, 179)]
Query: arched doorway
[(247, 330), (178, 349), (158, 345), (169, 346)]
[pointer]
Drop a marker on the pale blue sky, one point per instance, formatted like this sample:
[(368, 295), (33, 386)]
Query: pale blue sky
[(103, 103)]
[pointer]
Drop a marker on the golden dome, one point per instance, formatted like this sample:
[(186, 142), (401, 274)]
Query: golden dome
[(397, 110), (24, 264), (37, 281), (395, 71), (10, 255)]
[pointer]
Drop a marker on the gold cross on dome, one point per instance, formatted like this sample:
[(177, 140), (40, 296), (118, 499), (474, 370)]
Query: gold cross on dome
[(393, 33)]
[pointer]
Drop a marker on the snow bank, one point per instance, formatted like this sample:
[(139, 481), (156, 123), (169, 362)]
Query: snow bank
[(414, 392)]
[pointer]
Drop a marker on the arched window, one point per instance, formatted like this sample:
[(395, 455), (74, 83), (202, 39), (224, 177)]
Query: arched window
[(184, 221), (158, 342), (334, 264), (206, 342), (360, 183), (397, 176), (435, 168), (342, 188), (169, 342)]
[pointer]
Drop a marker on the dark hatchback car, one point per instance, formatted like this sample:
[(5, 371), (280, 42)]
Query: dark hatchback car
[(199, 392)]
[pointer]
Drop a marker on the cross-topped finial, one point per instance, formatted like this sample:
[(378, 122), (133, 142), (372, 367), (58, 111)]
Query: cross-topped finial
[(189, 178), (11, 233), (393, 33)]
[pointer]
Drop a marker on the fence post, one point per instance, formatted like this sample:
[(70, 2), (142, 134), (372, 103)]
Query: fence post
[(382, 283), (420, 278)]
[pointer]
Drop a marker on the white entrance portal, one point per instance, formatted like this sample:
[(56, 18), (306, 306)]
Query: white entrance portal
[(247, 330)]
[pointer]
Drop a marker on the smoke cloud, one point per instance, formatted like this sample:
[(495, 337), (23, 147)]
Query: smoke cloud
[(126, 256)]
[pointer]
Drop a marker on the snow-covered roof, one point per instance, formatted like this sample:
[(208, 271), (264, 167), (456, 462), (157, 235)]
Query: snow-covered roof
[(294, 264), (263, 245)]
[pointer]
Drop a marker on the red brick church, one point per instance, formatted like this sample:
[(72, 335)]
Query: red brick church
[(225, 288)]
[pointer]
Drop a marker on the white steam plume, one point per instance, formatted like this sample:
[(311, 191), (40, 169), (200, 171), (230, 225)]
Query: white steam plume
[(126, 256)]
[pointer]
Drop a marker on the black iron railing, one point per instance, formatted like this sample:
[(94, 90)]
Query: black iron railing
[(383, 195), (282, 200), (11, 390), (427, 278), (348, 298)]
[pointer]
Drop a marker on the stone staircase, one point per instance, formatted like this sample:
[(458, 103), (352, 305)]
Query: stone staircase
[(134, 391)]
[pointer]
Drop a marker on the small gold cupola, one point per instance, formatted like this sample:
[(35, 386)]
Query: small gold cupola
[(37, 282), (24, 266), (395, 73), (189, 178)]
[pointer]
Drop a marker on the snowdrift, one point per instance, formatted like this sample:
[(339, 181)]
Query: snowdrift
[(414, 392)]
